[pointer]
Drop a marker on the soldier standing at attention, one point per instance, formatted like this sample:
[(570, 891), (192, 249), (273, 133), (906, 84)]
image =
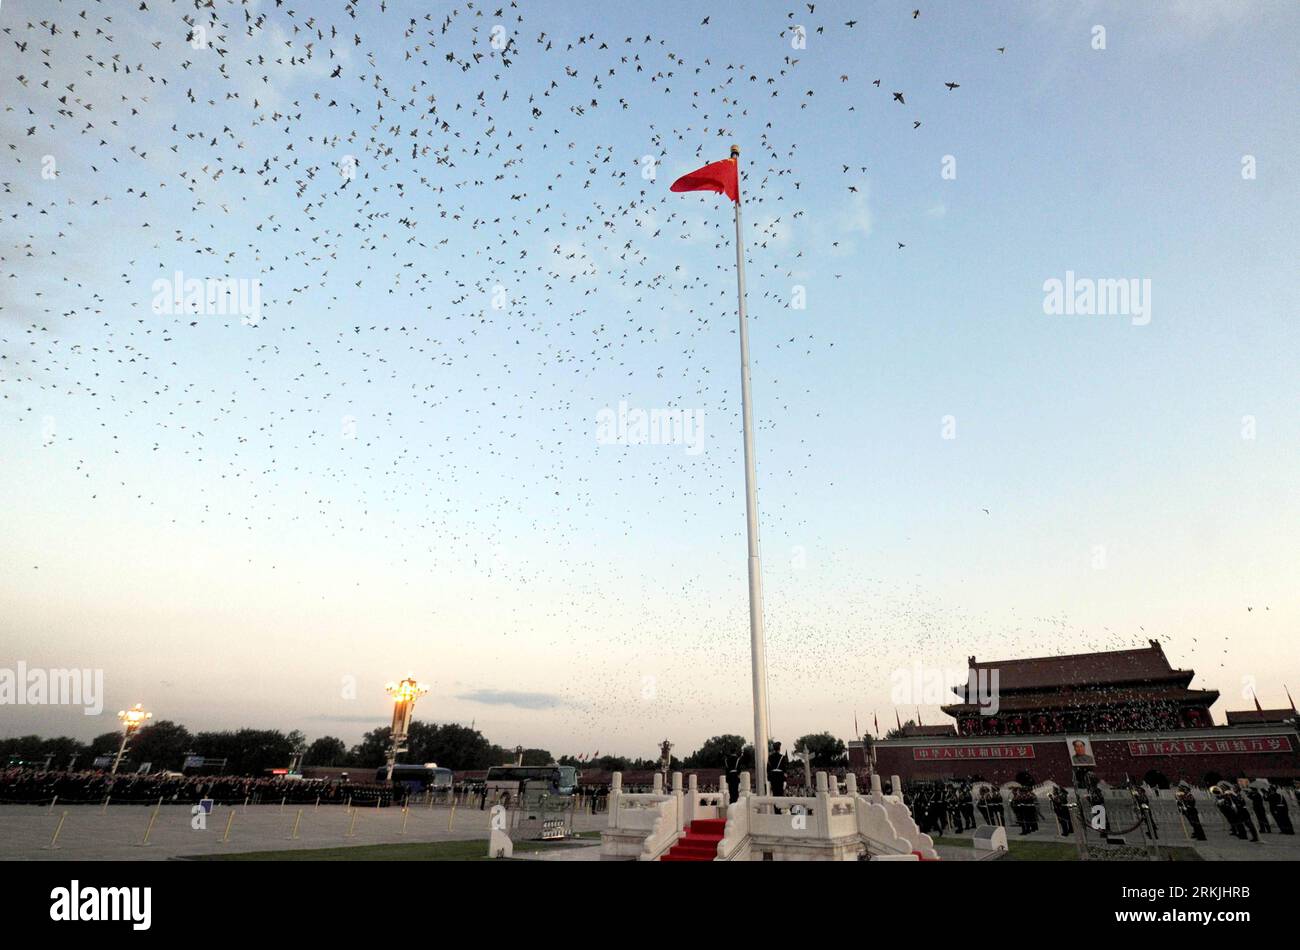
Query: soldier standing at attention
[(1061, 805), (1187, 806), (1277, 805), (776, 763), (731, 766), (1243, 814), (1261, 816)]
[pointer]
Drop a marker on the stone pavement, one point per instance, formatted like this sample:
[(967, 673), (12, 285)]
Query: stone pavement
[(574, 851), (90, 834), (1220, 847)]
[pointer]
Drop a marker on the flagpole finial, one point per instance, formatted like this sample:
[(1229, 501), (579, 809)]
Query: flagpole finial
[(735, 151)]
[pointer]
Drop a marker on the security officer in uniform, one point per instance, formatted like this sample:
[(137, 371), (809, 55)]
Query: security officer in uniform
[(1243, 814), (1061, 806), (995, 808), (1187, 807), (1257, 802), (1277, 805), (776, 763), (731, 766)]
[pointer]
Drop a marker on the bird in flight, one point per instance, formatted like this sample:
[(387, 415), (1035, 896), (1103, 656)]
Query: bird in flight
[(952, 85), (898, 97)]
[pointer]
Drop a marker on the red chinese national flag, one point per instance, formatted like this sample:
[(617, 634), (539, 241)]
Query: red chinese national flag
[(720, 177)]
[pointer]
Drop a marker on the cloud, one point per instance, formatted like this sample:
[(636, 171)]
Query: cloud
[(494, 697)]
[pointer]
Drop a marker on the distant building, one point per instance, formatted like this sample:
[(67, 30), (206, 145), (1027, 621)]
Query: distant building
[(1084, 693), (1122, 714)]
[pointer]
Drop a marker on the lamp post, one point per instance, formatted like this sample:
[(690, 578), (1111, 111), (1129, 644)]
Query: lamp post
[(404, 696), (132, 719)]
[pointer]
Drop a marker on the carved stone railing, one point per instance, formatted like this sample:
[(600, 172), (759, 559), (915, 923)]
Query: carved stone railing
[(828, 825), (665, 830), (641, 824), (702, 804), (901, 823), (734, 845)]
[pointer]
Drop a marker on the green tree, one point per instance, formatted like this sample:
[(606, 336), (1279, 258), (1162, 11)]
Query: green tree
[(325, 751), (246, 751), (712, 753), (372, 751), (105, 743), (827, 751), (897, 733), (537, 757), (163, 743), (35, 749)]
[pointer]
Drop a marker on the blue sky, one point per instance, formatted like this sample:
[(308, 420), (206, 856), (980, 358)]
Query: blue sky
[(189, 515)]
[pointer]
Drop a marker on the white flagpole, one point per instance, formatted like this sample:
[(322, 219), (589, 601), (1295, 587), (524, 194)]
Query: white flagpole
[(757, 647)]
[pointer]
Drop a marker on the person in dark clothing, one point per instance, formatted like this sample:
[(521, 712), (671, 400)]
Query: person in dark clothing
[(776, 765), (966, 801), (1261, 816), (731, 768), (1277, 805), (954, 810), (1187, 808), (1243, 815), (1061, 807), (1236, 813)]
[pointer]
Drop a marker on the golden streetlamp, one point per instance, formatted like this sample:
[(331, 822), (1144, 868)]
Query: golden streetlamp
[(404, 696), (132, 719)]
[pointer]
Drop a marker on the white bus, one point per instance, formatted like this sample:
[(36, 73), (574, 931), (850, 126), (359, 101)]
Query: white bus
[(514, 784)]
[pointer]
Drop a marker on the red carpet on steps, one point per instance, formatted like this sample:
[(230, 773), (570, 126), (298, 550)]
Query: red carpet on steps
[(700, 843)]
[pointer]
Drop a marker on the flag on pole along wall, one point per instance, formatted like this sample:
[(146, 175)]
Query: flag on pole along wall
[(721, 177)]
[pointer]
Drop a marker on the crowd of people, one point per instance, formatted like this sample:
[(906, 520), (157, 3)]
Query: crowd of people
[(941, 807), (1236, 806), (38, 786)]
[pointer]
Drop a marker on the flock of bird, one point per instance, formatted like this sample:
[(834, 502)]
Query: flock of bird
[(443, 228)]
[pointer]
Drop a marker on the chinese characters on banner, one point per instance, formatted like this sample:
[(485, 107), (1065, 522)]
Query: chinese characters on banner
[(1210, 746), (1003, 751)]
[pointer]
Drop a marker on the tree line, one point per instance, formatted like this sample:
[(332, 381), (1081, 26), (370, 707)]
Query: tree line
[(165, 744)]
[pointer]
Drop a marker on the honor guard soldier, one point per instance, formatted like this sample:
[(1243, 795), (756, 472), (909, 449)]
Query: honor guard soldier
[(1277, 805), (731, 766), (1061, 806), (776, 763), (1187, 808), (1261, 816)]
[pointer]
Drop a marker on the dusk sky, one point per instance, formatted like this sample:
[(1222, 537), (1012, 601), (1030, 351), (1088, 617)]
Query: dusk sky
[(395, 468)]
